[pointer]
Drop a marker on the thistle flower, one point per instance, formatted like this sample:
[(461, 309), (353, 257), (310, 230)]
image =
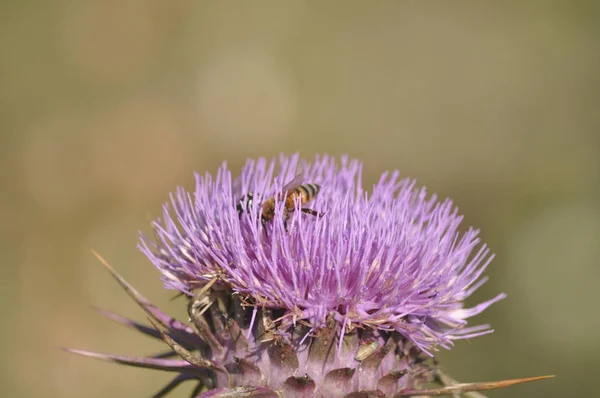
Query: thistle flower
[(352, 302)]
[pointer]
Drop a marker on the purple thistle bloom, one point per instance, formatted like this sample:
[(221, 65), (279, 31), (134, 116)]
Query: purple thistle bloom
[(391, 260), (336, 293)]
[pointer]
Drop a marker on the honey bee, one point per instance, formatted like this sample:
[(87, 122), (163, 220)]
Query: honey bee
[(292, 191)]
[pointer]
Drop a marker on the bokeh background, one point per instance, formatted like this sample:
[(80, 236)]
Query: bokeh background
[(107, 106)]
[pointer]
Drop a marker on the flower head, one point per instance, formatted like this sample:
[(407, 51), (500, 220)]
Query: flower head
[(390, 260), (303, 284)]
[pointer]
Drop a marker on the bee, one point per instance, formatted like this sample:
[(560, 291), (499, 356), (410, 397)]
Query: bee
[(291, 192)]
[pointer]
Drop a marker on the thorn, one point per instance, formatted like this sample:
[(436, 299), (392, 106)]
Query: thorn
[(469, 387)]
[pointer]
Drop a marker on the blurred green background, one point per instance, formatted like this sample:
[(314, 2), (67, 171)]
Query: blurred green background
[(107, 106)]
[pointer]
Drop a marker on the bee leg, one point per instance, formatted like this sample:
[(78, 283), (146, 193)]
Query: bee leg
[(312, 212)]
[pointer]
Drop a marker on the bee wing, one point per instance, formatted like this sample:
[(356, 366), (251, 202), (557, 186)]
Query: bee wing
[(294, 183)]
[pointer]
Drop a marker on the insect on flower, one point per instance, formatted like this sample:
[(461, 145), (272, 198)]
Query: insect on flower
[(292, 192), (354, 308)]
